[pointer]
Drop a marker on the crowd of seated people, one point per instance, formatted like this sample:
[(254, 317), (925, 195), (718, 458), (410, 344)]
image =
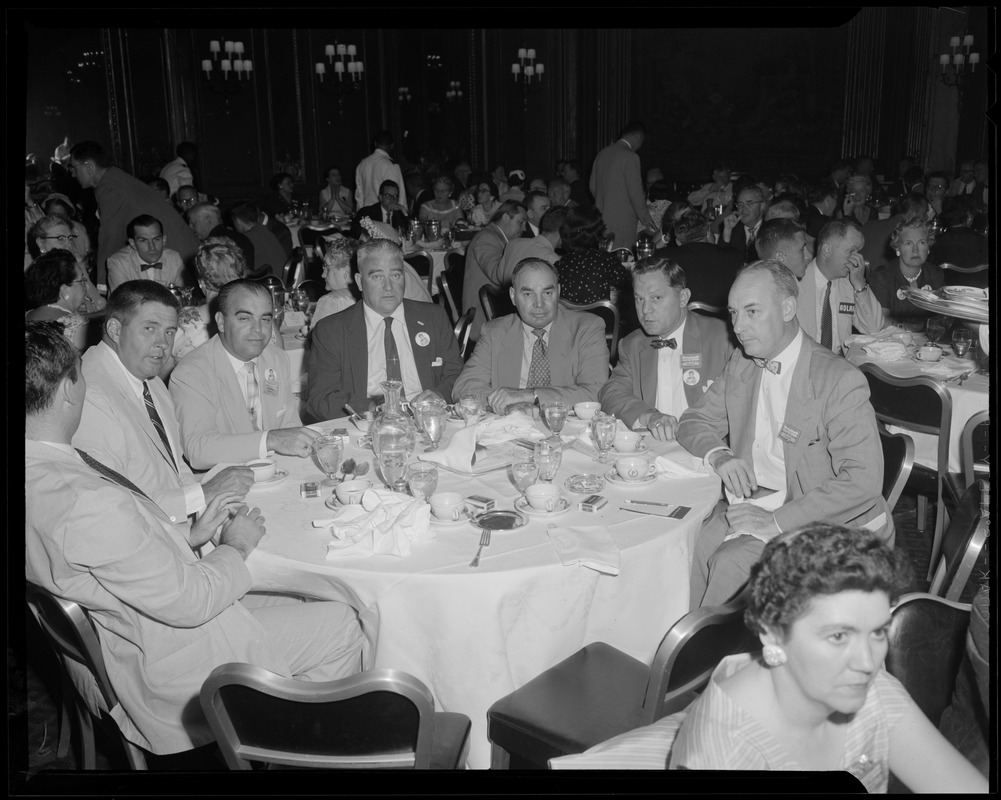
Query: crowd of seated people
[(133, 396)]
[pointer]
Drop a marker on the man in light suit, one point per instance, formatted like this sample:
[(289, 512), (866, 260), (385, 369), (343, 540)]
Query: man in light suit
[(376, 168), (617, 186), (146, 256), (544, 352), (485, 254), (164, 617), (233, 394), (837, 278), (128, 406), (381, 337), (670, 364), (789, 428)]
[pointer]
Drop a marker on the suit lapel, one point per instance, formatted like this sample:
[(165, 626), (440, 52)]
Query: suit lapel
[(416, 325), (356, 342), (269, 402), (560, 345), (511, 351), (648, 372), (234, 405), (743, 410), (800, 409)]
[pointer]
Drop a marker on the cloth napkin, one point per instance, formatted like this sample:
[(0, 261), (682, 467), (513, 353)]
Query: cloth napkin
[(891, 334), (886, 350), (516, 425), (681, 465), (588, 546), (457, 455), (949, 367), (384, 523)]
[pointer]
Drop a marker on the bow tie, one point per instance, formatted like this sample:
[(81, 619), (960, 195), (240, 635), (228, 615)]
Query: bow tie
[(656, 344), (157, 265), (773, 367)]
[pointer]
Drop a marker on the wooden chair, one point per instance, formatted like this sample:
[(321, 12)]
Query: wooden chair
[(919, 404), (463, 330), (623, 254), (710, 310), (975, 448), (971, 276), (423, 263), (600, 692), (450, 284), (898, 461), (70, 633), (610, 314), (379, 719), (963, 541), (495, 302)]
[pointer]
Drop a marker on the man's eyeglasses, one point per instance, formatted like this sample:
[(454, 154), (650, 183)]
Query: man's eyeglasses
[(62, 238), (749, 204)]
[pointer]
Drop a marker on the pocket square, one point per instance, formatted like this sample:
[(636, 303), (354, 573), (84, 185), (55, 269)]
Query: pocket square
[(437, 362)]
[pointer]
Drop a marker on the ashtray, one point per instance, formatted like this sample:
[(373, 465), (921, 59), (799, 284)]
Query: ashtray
[(500, 520), (585, 483)]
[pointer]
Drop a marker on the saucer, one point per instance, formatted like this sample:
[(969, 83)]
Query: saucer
[(522, 505), (449, 523), (613, 477), (333, 502), (626, 453), (278, 477)]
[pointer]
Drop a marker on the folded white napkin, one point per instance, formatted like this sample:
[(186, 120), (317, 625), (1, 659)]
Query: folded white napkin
[(681, 465), (457, 454), (516, 425), (588, 546), (886, 350), (890, 334), (384, 523), (584, 443), (948, 368)]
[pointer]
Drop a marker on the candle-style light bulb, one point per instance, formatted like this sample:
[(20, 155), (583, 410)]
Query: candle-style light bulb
[(974, 60), (207, 66), (954, 42), (214, 48)]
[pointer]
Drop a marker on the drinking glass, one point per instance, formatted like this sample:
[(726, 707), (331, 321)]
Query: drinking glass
[(327, 450), (603, 428), (935, 328), (525, 472), (300, 299), (961, 339), (548, 455), (431, 416), (422, 479), (470, 406), (394, 467), (555, 413)]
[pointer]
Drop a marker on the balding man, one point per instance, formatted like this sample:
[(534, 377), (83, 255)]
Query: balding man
[(205, 219), (617, 186)]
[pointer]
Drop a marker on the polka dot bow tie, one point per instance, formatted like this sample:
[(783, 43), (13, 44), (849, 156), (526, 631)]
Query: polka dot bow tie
[(773, 367), (656, 344)]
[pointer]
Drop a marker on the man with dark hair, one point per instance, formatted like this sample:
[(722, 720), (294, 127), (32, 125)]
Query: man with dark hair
[(936, 187), (178, 172), (823, 199), (578, 189), (381, 337), (709, 270), (145, 256), (233, 394), (484, 254), (376, 168), (389, 209), (120, 198), (669, 364), (784, 240), (128, 420), (617, 186), (541, 247), (558, 192), (205, 219), (741, 226), (536, 204), (542, 352), (165, 616), (789, 429), (269, 255)]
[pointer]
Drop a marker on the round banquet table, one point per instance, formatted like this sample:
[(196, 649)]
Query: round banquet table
[(473, 635), (438, 258)]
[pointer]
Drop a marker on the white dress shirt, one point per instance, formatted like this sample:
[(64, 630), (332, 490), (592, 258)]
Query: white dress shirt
[(241, 381), (375, 326), (529, 339), (670, 387)]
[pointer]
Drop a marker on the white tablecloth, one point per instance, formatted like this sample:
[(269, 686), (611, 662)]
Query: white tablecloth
[(438, 258), (473, 635)]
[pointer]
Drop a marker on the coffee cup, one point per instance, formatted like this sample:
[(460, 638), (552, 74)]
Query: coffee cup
[(263, 469), (633, 468), (930, 353), (543, 496), (350, 492), (586, 410), (448, 506), (628, 441)]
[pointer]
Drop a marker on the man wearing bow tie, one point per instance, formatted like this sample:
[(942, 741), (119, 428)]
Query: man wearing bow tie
[(789, 428), (145, 256), (669, 364)]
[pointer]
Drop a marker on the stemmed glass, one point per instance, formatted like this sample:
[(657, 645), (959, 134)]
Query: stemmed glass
[(603, 427), (470, 407), (422, 479), (525, 472), (327, 450), (555, 413), (431, 416), (548, 455), (961, 340), (935, 328)]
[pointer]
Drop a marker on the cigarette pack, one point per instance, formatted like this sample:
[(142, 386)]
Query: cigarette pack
[(309, 489), (593, 502), (479, 503)]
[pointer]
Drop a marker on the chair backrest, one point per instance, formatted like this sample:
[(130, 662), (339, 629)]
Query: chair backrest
[(450, 283), (463, 331), (621, 253), (962, 543), (381, 718), (423, 264), (709, 310), (610, 314), (967, 270), (309, 237), (495, 302), (314, 288), (689, 653), (974, 445), (270, 281), (898, 460), (926, 642), (291, 266)]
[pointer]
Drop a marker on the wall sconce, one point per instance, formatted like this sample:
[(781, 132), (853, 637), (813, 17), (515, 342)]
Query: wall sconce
[(958, 61), (403, 94), (233, 62), (353, 67), (454, 92), (434, 62)]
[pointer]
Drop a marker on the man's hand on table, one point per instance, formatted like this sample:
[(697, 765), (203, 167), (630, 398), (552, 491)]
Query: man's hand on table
[(500, 399), (662, 426), (214, 515), (237, 480), (749, 518), (737, 474), (243, 531), (292, 441)]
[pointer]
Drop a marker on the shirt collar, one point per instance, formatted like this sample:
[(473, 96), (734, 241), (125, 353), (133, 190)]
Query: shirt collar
[(373, 317), (133, 381), (626, 143), (788, 357), (528, 330), (235, 362)]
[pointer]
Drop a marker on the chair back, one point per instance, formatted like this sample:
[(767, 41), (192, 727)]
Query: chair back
[(962, 543), (610, 314), (270, 281), (291, 267), (495, 302), (689, 653), (423, 264), (450, 284), (622, 254), (377, 719), (898, 460), (975, 447), (945, 265), (927, 639), (709, 310), (310, 239), (314, 288), (463, 330)]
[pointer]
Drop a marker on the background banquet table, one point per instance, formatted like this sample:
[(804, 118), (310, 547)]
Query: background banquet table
[(473, 635)]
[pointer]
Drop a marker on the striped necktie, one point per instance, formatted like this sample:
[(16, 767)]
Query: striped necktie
[(154, 417)]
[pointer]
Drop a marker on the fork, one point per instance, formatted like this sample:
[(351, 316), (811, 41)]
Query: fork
[(484, 541)]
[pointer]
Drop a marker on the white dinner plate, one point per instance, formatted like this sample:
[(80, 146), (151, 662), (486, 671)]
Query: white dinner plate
[(279, 476), (522, 505), (613, 477)]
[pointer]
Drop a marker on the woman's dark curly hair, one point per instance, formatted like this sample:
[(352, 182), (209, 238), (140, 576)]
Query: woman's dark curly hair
[(46, 275), (816, 560), (583, 229)]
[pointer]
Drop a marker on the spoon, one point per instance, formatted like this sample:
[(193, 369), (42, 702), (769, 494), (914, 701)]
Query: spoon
[(354, 413)]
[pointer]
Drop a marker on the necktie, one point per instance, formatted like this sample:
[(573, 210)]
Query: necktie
[(749, 251), (773, 367), (157, 265), (656, 344), (393, 372), (538, 370), (253, 393), (826, 322), (110, 474), (154, 417)]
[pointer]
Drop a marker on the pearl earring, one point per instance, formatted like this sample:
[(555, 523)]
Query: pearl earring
[(774, 656), (898, 252)]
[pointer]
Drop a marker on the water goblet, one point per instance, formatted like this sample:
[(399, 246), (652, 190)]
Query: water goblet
[(431, 416), (327, 450), (935, 328), (603, 429), (422, 479), (961, 340), (555, 413), (394, 466), (470, 406), (525, 472), (548, 455)]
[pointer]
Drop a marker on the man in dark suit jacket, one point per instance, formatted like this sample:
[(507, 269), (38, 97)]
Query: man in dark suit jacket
[(578, 189), (387, 210), (381, 337), (709, 270), (668, 366), (205, 219), (740, 226), (279, 229), (823, 199)]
